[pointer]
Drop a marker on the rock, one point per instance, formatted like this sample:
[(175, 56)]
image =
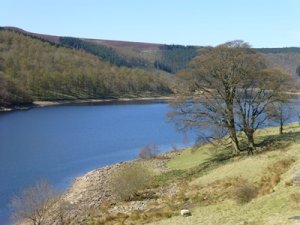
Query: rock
[(296, 179), (185, 212), (294, 218)]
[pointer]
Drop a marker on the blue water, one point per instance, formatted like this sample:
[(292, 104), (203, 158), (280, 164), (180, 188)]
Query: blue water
[(60, 143)]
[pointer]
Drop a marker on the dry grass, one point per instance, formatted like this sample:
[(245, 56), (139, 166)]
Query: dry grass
[(242, 190), (135, 217), (262, 181), (129, 180)]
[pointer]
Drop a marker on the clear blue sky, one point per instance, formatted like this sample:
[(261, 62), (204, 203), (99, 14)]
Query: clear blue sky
[(262, 23)]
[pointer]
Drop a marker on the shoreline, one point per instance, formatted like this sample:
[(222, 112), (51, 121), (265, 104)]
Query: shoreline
[(91, 189), (38, 104), (109, 100)]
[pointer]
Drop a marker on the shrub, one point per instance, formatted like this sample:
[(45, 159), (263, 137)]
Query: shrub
[(149, 151), (245, 192), (295, 197), (34, 203), (129, 179)]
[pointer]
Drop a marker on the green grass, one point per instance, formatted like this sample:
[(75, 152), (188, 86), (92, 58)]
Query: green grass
[(275, 207), (190, 158), (208, 152)]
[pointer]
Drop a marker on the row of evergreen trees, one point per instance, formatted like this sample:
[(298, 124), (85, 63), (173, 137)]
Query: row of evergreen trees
[(169, 58), (173, 58), (106, 53)]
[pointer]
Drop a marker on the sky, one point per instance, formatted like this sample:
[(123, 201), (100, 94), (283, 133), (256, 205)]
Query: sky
[(262, 23)]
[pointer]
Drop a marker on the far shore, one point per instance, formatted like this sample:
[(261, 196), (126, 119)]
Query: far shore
[(81, 101), (95, 101), (113, 100), (85, 101)]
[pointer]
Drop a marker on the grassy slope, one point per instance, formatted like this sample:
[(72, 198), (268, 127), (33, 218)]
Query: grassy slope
[(273, 208)]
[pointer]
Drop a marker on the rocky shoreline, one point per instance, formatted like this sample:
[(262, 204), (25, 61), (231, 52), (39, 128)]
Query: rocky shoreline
[(91, 190), (6, 109)]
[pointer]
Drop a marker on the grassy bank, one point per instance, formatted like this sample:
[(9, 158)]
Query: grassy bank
[(212, 195), (217, 187)]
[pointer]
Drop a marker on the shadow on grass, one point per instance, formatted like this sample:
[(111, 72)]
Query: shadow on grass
[(216, 160), (266, 143), (278, 142), (223, 155)]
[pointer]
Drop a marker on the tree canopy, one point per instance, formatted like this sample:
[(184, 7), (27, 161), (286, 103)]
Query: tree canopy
[(31, 69), (231, 88)]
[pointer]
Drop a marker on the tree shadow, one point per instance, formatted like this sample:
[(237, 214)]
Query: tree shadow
[(278, 142), (272, 142)]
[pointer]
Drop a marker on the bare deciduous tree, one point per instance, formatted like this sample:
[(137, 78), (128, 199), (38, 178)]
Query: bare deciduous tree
[(34, 203), (255, 96), (280, 111), (214, 77), (231, 91), (149, 151)]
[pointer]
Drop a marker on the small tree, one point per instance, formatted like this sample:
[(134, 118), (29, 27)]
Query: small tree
[(34, 203), (149, 151), (280, 112)]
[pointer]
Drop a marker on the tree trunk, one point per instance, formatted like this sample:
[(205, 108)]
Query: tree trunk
[(234, 139), (232, 130), (235, 145), (281, 127), (251, 144)]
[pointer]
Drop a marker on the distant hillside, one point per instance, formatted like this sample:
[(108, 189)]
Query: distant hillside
[(38, 66), (34, 69), (289, 62), (287, 59), (279, 50), (168, 58)]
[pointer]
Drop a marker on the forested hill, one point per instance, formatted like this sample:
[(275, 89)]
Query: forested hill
[(287, 59), (149, 56), (38, 66), (279, 50), (33, 69), (167, 58)]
